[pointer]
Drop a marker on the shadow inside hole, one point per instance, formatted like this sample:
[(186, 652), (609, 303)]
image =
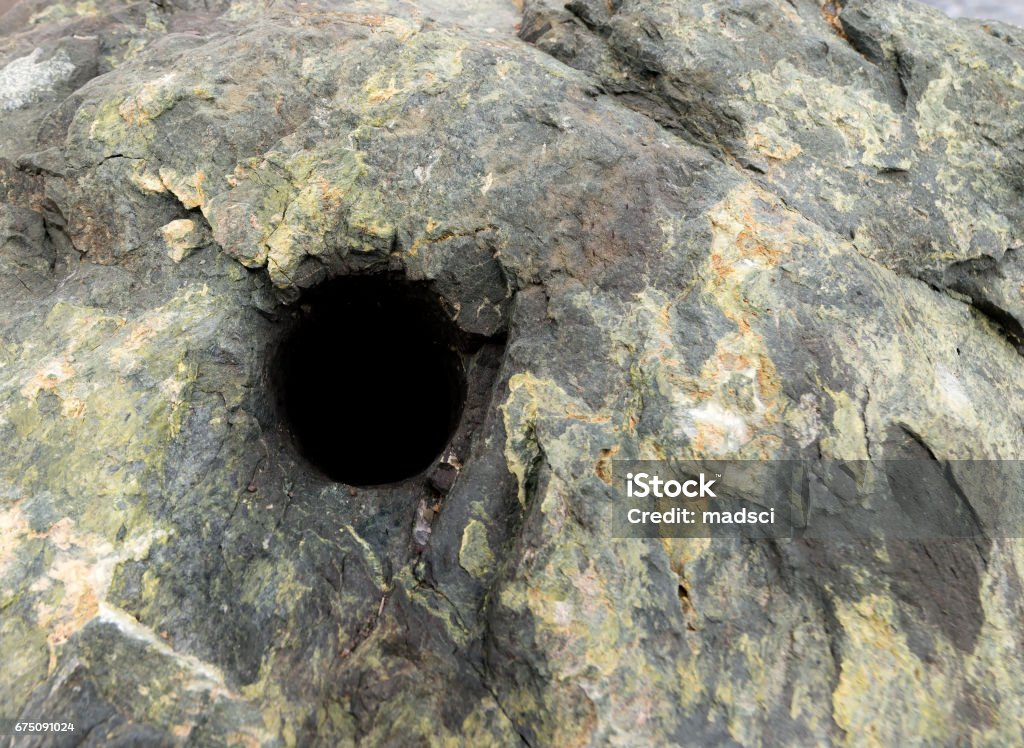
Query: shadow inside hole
[(371, 383)]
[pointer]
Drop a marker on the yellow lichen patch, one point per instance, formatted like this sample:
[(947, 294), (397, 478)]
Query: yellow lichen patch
[(425, 67), (583, 606), (520, 412), (383, 94), (401, 28), (475, 554), (311, 215), (181, 237), (367, 217), (13, 527), (78, 575), (848, 438), (108, 432), (478, 728), (137, 335), (280, 275), (78, 601), (990, 666), (647, 339), (736, 407), (684, 551), (129, 50), (242, 10), (57, 375), (733, 405), (57, 11), (72, 407), (109, 127), (530, 399), (147, 181), (579, 615), (935, 121), (504, 68), (187, 188), (154, 98), (173, 386), (769, 139), (54, 372), (437, 232), (750, 232), (243, 740), (884, 690), (938, 125), (284, 209), (123, 352), (872, 131)]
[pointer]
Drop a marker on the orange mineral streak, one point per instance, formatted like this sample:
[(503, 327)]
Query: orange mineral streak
[(48, 377), (751, 235)]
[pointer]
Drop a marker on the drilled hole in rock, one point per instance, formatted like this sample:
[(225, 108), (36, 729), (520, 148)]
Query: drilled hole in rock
[(370, 381)]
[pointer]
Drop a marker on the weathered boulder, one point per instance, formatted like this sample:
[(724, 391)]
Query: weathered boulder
[(750, 229)]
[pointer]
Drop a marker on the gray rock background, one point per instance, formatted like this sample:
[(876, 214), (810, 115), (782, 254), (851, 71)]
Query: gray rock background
[(499, 13), (675, 228), (1010, 11)]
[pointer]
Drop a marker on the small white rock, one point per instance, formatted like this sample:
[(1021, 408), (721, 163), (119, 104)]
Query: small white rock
[(21, 80)]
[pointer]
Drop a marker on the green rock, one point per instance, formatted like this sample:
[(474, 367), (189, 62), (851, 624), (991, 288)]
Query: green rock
[(663, 229)]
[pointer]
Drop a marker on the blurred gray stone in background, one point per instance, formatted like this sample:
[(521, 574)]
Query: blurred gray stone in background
[(1011, 11)]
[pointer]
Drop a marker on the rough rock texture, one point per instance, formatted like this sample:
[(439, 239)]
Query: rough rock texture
[(743, 228)]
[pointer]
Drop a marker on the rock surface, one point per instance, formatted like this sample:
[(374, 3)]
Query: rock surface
[(754, 229), (1001, 11)]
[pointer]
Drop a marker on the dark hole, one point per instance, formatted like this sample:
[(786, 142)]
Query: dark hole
[(370, 381)]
